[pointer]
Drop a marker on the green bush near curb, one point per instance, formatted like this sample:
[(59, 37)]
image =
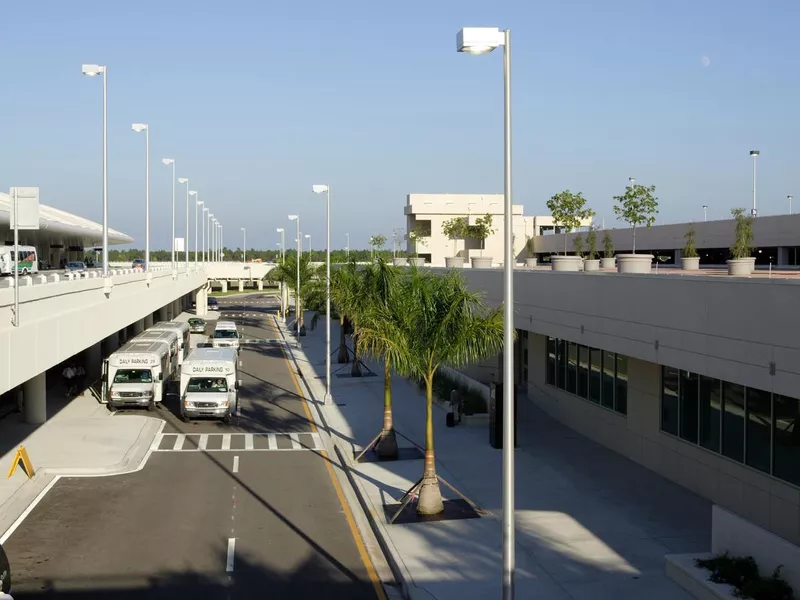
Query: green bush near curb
[(741, 572)]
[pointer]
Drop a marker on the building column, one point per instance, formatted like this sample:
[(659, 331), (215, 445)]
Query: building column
[(783, 256), (148, 321), (178, 304), (34, 392), (241, 285), (285, 294), (138, 327), (94, 361), (110, 344), (224, 283), (201, 302), (162, 313), (260, 286), (678, 255)]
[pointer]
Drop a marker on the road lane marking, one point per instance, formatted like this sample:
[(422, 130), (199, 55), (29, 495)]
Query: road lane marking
[(318, 445), (203, 441), (231, 549), (272, 441), (179, 439), (235, 464), (226, 440), (248, 442), (174, 442), (295, 441)]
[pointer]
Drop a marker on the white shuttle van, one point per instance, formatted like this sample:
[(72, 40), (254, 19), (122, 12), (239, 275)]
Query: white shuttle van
[(210, 384), (226, 335), (182, 328), (171, 340), (136, 374)]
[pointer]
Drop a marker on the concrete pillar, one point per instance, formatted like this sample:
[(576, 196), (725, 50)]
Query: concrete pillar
[(34, 392), (241, 285), (783, 256), (94, 361), (148, 321), (224, 285), (260, 286), (201, 302), (178, 307), (162, 314), (138, 327), (110, 344)]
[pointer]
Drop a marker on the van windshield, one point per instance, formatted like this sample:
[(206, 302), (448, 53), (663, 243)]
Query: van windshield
[(133, 376), (207, 384), (226, 333)]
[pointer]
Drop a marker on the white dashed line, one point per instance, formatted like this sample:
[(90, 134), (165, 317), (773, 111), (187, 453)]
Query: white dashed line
[(235, 464), (203, 443), (231, 549), (293, 436), (248, 442), (179, 439), (272, 439), (226, 438)]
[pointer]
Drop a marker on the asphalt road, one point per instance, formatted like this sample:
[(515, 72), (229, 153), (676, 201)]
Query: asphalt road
[(252, 515)]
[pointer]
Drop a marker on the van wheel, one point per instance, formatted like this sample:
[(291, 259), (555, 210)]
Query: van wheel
[(227, 419), (151, 407), (111, 409), (185, 419)]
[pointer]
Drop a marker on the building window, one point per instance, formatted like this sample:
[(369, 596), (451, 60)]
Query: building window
[(688, 408), (596, 375), (786, 428), (590, 373), (758, 428), (670, 379), (551, 361), (572, 367), (561, 370), (621, 387), (710, 409), (583, 371), (733, 421), (607, 397)]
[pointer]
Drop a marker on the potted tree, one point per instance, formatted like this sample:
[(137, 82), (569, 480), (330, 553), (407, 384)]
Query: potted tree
[(480, 231), (741, 262), (377, 242), (455, 229), (608, 252), (415, 236), (530, 251), (592, 263), (637, 206), (568, 210), (577, 244), (690, 260)]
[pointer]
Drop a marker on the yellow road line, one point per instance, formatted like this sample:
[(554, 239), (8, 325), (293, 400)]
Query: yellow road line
[(362, 550)]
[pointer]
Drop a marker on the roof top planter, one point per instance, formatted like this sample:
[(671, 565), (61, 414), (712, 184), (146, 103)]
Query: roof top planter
[(637, 206), (690, 261), (592, 263), (530, 253), (608, 261), (455, 229), (480, 231), (568, 210), (741, 262)]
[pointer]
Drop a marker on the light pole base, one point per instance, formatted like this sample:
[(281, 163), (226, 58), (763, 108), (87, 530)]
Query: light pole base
[(328, 399)]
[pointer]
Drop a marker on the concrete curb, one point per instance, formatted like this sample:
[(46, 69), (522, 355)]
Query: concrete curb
[(365, 506), (29, 492)]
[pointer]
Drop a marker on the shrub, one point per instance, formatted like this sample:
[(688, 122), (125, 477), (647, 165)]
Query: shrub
[(689, 251), (741, 572)]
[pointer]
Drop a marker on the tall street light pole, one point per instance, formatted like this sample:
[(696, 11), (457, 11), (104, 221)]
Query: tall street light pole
[(171, 161), (197, 205), (210, 225), (790, 198), (282, 245), (138, 128), (91, 71), (347, 248), (754, 154), (479, 40), (297, 289), (705, 212), (186, 236), (244, 245), (326, 189), (205, 227), (308, 237)]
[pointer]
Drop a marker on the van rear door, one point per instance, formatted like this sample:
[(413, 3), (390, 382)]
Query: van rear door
[(104, 383)]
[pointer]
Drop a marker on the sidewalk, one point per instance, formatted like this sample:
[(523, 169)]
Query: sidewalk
[(590, 523)]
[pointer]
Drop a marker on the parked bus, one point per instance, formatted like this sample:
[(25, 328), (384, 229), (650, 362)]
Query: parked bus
[(136, 374), (28, 260)]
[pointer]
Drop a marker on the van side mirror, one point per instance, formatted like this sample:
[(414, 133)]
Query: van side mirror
[(161, 377)]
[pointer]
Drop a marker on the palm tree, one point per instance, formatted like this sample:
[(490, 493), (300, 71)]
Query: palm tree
[(427, 321), (346, 294), (286, 272), (377, 281)]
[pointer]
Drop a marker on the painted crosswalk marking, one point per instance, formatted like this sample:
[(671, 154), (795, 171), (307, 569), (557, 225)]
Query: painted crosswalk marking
[(236, 442)]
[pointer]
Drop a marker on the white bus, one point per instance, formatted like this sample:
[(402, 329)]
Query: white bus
[(28, 260)]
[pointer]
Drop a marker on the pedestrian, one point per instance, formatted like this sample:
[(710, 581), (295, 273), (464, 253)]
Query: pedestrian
[(69, 375)]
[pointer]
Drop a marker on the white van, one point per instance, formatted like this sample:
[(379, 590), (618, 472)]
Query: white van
[(226, 335), (210, 384), (170, 339), (135, 375), (182, 328)]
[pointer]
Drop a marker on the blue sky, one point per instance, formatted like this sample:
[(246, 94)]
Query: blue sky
[(259, 100)]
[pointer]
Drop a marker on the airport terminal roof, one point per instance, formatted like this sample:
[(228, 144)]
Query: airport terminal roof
[(58, 226)]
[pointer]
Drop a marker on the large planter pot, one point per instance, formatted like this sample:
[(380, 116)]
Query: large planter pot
[(481, 262), (530, 262), (690, 263), (634, 263), (740, 267), (591, 265), (400, 262), (417, 261), (608, 263), (453, 262), (752, 260), (566, 263)]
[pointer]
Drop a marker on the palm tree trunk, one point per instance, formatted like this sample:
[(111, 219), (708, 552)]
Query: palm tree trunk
[(343, 357), (355, 370), (430, 496), (387, 446)]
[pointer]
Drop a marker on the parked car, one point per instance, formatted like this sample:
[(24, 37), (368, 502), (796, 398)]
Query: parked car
[(75, 267), (138, 263), (197, 325)]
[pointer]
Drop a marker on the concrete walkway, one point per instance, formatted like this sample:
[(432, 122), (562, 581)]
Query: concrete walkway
[(590, 523)]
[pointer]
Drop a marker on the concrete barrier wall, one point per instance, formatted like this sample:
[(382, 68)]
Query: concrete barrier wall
[(58, 320), (737, 329)]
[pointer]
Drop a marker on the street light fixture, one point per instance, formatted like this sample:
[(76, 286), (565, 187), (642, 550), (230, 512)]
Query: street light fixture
[(705, 212), (171, 161), (790, 198), (754, 154), (186, 236), (138, 128), (91, 71), (480, 40), (326, 189), (297, 289), (308, 237)]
